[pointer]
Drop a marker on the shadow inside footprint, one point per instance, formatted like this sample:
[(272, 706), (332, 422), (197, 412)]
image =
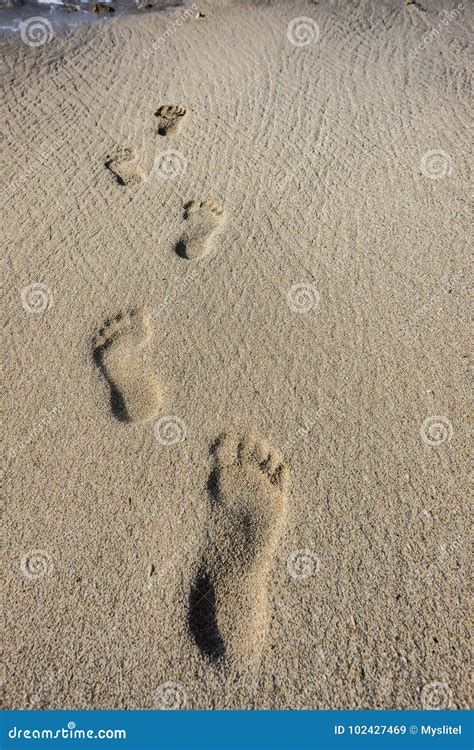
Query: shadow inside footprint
[(213, 487), (202, 617), (110, 165), (180, 249), (117, 403)]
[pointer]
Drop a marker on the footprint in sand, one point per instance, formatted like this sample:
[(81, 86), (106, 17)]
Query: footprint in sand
[(228, 606), (122, 164), (118, 352), (203, 218), (170, 118)]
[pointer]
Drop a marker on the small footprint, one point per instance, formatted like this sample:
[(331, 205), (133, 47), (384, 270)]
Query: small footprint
[(170, 119), (118, 350), (203, 218), (228, 603), (123, 167)]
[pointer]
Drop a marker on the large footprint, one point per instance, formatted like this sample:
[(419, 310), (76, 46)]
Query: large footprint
[(170, 118), (123, 167), (229, 612), (118, 350), (203, 218)]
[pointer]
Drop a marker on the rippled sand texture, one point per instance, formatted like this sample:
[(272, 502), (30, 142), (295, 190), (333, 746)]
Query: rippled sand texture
[(266, 217)]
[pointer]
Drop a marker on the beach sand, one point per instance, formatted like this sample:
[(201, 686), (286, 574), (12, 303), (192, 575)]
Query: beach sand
[(237, 391)]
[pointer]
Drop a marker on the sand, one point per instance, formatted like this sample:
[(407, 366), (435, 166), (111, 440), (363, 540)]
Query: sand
[(278, 257)]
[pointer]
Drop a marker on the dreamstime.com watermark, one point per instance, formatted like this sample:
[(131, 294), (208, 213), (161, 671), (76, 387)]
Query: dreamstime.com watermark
[(446, 17), (446, 286), (43, 693), (35, 432), (32, 168), (67, 733), (186, 15), (452, 549), (310, 419)]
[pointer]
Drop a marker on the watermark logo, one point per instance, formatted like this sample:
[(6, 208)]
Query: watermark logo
[(171, 696), (36, 298), (36, 31), (436, 696), (436, 164), (436, 430), (302, 31), (170, 164), (302, 563), (170, 430), (36, 564), (301, 298)]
